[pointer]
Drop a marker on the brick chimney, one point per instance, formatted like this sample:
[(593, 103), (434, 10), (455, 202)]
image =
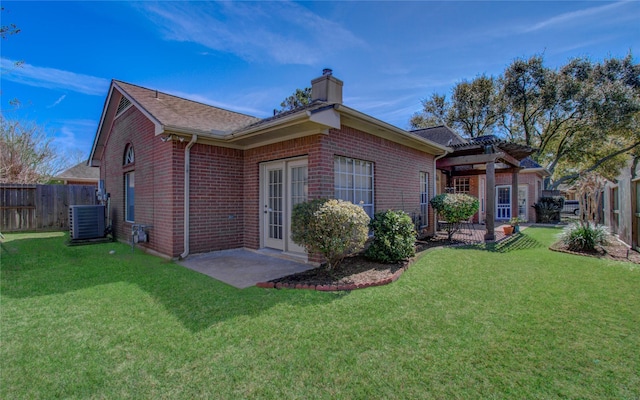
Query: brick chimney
[(327, 88)]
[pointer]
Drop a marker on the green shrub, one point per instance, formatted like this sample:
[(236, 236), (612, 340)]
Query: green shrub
[(548, 209), (333, 228), (454, 208), (301, 217), (394, 237), (584, 236)]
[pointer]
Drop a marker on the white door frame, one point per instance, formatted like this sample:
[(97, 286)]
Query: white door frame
[(503, 210), (276, 204), (523, 212)]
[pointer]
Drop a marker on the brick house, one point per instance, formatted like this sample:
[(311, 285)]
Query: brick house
[(79, 174), (204, 179), (468, 173)]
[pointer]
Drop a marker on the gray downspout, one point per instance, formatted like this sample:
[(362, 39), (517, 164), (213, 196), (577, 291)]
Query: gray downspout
[(187, 167)]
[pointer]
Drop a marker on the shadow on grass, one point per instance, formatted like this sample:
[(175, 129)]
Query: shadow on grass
[(45, 266), (517, 241)]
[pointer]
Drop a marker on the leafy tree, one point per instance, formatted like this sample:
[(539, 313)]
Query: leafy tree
[(27, 154), (473, 110), (581, 117), (435, 111), (454, 208), (299, 98), (475, 106)]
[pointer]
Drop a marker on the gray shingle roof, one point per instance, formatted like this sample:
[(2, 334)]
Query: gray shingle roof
[(173, 111), (529, 163), (440, 134), (312, 107), (81, 172)]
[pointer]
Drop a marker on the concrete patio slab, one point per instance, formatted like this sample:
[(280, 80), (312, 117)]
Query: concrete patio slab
[(243, 268)]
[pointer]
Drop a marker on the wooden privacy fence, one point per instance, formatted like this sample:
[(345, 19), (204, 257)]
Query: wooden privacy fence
[(40, 207)]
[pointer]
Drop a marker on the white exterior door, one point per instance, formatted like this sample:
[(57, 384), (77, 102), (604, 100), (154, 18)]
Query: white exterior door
[(523, 191), (284, 184), (503, 202)]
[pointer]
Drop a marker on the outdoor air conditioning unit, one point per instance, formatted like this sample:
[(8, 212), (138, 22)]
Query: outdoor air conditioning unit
[(86, 222)]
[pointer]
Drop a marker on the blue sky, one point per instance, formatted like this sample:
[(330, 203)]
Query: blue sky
[(248, 56)]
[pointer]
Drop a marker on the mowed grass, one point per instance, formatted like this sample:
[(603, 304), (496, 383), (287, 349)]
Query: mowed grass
[(509, 321)]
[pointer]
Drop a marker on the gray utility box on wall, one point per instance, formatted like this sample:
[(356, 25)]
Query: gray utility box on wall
[(86, 222)]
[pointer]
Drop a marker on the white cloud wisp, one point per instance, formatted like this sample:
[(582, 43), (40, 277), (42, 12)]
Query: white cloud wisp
[(52, 78), (282, 32)]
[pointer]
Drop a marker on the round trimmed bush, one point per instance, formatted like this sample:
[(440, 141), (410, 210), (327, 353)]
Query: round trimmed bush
[(333, 228), (454, 208), (394, 237)]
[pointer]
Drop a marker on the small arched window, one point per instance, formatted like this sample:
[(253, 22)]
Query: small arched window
[(128, 155)]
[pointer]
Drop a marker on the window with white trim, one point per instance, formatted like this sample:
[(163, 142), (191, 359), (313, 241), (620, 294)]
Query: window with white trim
[(353, 181), (129, 184), (128, 156), (129, 198), (424, 198), (461, 185)]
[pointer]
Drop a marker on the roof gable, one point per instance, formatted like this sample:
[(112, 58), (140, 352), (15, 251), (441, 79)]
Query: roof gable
[(174, 112)]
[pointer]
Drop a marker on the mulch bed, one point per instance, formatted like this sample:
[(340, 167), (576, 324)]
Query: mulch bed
[(613, 250), (358, 272), (354, 272)]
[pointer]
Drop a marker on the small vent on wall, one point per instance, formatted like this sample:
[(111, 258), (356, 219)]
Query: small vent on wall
[(124, 104)]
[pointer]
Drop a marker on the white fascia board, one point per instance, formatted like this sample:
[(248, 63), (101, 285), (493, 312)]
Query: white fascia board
[(102, 117), (329, 117), (542, 171)]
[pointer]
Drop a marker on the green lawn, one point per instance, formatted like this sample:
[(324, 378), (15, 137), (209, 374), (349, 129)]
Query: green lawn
[(511, 321)]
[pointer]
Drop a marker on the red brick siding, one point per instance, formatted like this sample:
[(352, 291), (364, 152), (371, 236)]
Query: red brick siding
[(528, 179), (153, 179), (396, 167), (396, 171), (216, 196), (225, 183)]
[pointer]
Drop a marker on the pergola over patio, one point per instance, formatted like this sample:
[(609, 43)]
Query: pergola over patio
[(484, 155)]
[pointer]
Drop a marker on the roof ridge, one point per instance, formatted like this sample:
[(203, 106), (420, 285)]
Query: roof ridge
[(429, 127), (283, 114), (184, 98)]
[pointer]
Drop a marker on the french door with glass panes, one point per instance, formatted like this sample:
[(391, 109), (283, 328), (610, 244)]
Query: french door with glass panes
[(284, 184)]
